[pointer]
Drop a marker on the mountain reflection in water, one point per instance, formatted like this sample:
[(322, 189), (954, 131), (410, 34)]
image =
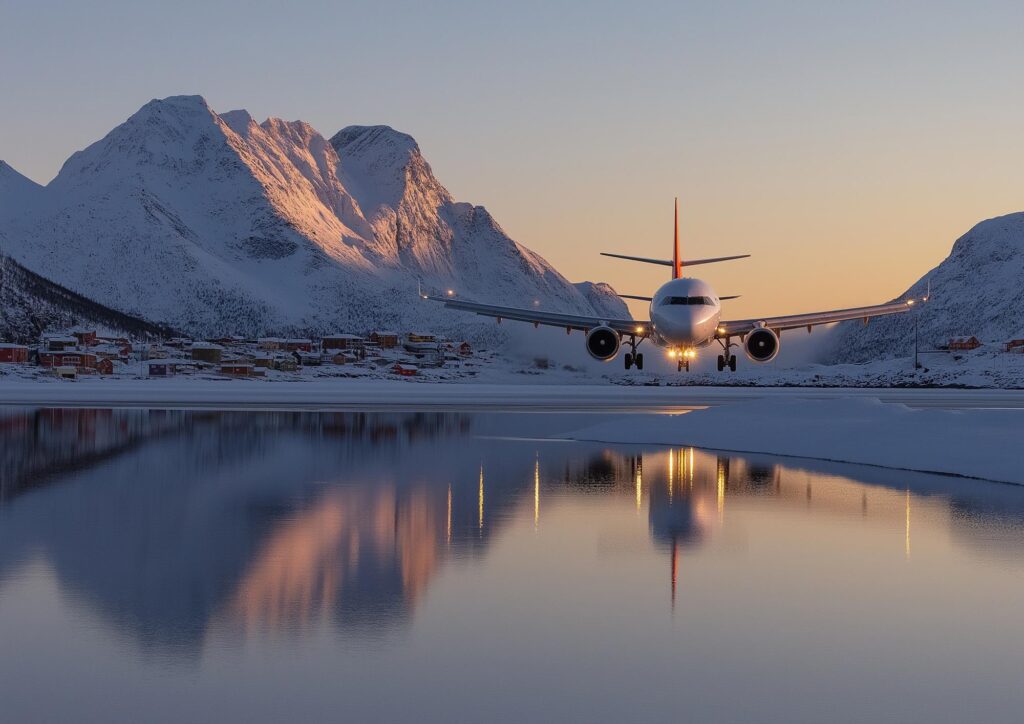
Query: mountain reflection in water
[(174, 526)]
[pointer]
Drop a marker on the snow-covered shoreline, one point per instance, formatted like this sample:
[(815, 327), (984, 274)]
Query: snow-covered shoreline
[(976, 443)]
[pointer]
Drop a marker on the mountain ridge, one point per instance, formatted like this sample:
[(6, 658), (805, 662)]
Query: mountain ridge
[(977, 290), (213, 223)]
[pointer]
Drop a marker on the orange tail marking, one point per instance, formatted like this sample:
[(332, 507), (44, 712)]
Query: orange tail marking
[(677, 265)]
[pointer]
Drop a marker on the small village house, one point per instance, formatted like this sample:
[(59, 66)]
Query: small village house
[(238, 368), (404, 370), (84, 337), (270, 344), (964, 343), (385, 340), (207, 352), (465, 349), (58, 342), (68, 358), (105, 366), (285, 364), (1015, 345), (297, 345), (342, 341), (13, 353), (165, 367), (65, 373)]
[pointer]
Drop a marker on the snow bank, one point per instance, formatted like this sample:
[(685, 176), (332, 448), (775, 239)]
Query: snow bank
[(980, 443)]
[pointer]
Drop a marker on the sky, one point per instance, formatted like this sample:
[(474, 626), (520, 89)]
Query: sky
[(844, 145)]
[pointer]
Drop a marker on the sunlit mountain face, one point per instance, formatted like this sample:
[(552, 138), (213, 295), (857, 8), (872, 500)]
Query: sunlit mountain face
[(181, 528)]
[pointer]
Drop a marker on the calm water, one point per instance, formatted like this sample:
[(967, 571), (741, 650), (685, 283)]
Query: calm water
[(176, 566)]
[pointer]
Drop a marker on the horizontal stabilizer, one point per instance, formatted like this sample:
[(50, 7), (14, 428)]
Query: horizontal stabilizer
[(668, 262), (634, 296)]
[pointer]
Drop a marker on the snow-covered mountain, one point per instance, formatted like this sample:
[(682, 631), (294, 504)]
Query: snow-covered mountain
[(15, 189), (977, 290), (212, 223)]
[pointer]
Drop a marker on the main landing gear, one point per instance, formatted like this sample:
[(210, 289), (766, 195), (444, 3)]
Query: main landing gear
[(633, 357), (727, 359)]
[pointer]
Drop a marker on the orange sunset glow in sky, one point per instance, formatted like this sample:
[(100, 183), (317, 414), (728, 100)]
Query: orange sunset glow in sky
[(844, 146)]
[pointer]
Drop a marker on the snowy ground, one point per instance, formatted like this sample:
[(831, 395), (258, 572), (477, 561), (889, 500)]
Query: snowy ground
[(974, 443)]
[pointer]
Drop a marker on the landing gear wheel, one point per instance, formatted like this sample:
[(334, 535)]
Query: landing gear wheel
[(721, 362), (628, 358), (732, 363), (639, 361)]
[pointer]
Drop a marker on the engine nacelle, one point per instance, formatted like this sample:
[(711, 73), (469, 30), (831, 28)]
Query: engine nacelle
[(761, 345), (603, 343)]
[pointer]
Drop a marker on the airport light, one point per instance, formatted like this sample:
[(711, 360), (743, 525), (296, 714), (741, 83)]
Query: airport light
[(451, 292)]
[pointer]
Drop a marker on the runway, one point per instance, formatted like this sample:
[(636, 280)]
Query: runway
[(402, 395)]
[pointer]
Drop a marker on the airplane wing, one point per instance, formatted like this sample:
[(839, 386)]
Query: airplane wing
[(796, 321), (549, 319)]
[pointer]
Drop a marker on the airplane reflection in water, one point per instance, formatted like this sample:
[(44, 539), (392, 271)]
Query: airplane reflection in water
[(248, 523)]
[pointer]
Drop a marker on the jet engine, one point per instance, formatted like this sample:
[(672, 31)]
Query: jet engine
[(761, 345), (603, 343)]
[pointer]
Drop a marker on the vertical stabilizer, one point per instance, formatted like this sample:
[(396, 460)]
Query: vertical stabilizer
[(677, 266)]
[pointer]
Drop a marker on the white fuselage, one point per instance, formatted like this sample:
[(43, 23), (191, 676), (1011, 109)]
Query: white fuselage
[(685, 314)]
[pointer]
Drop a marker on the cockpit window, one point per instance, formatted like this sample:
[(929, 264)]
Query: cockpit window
[(693, 301)]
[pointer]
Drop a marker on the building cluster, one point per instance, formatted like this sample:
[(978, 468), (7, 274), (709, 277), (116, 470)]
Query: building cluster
[(84, 352), (966, 344)]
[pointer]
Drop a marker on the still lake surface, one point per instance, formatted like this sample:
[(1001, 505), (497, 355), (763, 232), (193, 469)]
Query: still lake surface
[(276, 566)]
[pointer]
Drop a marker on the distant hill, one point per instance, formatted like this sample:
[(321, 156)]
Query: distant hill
[(212, 224), (31, 304), (977, 290)]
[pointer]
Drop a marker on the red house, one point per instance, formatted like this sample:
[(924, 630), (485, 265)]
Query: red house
[(405, 370), (342, 341), (68, 358), (13, 353), (297, 345), (105, 366), (85, 337), (964, 343)]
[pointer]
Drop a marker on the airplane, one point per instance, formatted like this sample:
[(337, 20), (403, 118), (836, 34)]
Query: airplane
[(685, 315)]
